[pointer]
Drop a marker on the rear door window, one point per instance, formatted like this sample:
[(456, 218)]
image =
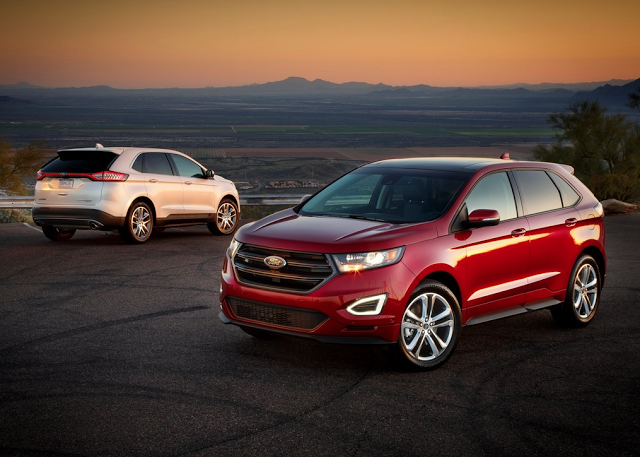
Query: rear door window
[(156, 163), (80, 162)]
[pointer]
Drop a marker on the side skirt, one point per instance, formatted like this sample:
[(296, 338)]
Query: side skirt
[(529, 307)]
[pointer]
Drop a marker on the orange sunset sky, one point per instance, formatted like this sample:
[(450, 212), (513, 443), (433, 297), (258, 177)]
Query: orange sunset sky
[(198, 43)]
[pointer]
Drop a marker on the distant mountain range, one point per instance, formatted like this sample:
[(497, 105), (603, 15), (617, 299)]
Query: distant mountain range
[(612, 91)]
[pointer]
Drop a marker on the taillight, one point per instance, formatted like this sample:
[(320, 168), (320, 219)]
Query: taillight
[(109, 176), (599, 210), (98, 176)]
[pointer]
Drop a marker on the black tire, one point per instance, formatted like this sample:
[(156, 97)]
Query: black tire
[(56, 234), (583, 295), (138, 225), (227, 218), (429, 329)]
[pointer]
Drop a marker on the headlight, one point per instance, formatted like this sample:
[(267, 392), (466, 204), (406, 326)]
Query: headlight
[(233, 247), (366, 260)]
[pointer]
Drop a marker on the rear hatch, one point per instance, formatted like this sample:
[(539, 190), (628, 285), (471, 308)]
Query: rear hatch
[(75, 178)]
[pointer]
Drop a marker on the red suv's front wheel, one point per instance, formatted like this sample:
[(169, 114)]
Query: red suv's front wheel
[(430, 326)]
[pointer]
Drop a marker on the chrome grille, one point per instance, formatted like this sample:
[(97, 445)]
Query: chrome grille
[(303, 273), (281, 316)]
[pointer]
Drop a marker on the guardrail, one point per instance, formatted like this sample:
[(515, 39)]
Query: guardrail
[(26, 202), (16, 202)]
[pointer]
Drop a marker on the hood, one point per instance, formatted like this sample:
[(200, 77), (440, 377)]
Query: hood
[(288, 230)]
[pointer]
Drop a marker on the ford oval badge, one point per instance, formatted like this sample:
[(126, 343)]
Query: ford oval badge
[(275, 262)]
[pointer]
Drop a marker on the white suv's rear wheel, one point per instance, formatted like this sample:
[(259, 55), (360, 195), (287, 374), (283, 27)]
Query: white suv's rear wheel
[(139, 224)]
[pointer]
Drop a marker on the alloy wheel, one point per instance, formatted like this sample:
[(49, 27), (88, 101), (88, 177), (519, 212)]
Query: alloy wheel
[(427, 326), (141, 222), (585, 290), (226, 218)]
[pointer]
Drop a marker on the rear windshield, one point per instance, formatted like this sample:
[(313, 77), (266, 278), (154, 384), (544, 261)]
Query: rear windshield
[(80, 162)]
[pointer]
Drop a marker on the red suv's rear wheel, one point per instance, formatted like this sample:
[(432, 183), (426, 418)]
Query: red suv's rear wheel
[(583, 295)]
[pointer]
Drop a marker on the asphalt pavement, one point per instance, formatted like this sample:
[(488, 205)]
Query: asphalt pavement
[(111, 349)]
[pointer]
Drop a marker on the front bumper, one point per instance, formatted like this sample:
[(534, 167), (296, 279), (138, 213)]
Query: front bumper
[(322, 314)]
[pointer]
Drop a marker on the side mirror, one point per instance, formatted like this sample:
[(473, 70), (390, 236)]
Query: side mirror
[(482, 218), (305, 199), (209, 174)]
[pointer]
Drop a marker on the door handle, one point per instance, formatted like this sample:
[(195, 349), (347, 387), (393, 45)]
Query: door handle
[(188, 183), (571, 222), (518, 232), (153, 180)]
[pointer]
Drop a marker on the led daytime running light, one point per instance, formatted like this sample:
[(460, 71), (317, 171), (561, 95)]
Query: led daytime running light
[(369, 306)]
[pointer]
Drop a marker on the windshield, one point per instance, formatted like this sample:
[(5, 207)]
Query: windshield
[(387, 194)]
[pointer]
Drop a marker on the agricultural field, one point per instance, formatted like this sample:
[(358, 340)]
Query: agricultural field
[(297, 141)]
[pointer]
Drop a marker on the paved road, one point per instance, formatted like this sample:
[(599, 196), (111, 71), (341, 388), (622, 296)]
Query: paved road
[(110, 349)]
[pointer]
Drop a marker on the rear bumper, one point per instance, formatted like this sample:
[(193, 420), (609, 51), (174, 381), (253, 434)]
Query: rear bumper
[(80, 218)]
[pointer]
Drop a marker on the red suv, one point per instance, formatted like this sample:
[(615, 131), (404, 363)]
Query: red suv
[(405, 252)]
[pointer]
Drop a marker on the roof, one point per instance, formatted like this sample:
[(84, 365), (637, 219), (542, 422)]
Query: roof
[(462, 164), (118, 150), (439, 163)]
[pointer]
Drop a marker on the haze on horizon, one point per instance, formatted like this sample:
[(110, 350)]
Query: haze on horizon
[(200, 43)]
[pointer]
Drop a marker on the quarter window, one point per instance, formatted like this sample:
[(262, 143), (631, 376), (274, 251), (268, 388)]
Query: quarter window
[(539, 193), (493, 192), (569, 196)]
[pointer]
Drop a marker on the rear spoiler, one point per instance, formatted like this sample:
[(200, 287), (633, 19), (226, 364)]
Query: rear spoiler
[(569, 168)]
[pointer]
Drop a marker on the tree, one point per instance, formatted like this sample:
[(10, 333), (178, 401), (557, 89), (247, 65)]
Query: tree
[(634, 99), (603, 148), (15, 166)]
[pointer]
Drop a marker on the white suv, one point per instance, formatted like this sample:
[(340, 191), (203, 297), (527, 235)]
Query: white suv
[(134, 190)]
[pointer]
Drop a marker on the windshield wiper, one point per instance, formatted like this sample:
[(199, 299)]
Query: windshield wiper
[(364, 218)]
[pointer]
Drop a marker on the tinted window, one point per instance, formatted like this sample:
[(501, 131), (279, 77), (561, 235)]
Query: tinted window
[(138, 163), (392, 195), (569, 196), (157, 163), (493, 192), (80, 162), (539, 193), (186, 167)]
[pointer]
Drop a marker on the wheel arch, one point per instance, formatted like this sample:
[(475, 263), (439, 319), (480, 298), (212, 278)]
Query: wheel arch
[(148, 202), (598, 256), (233, 199), (448, 280)]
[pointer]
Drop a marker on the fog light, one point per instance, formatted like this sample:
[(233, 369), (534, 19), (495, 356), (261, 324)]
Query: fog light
[(369, 306)]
